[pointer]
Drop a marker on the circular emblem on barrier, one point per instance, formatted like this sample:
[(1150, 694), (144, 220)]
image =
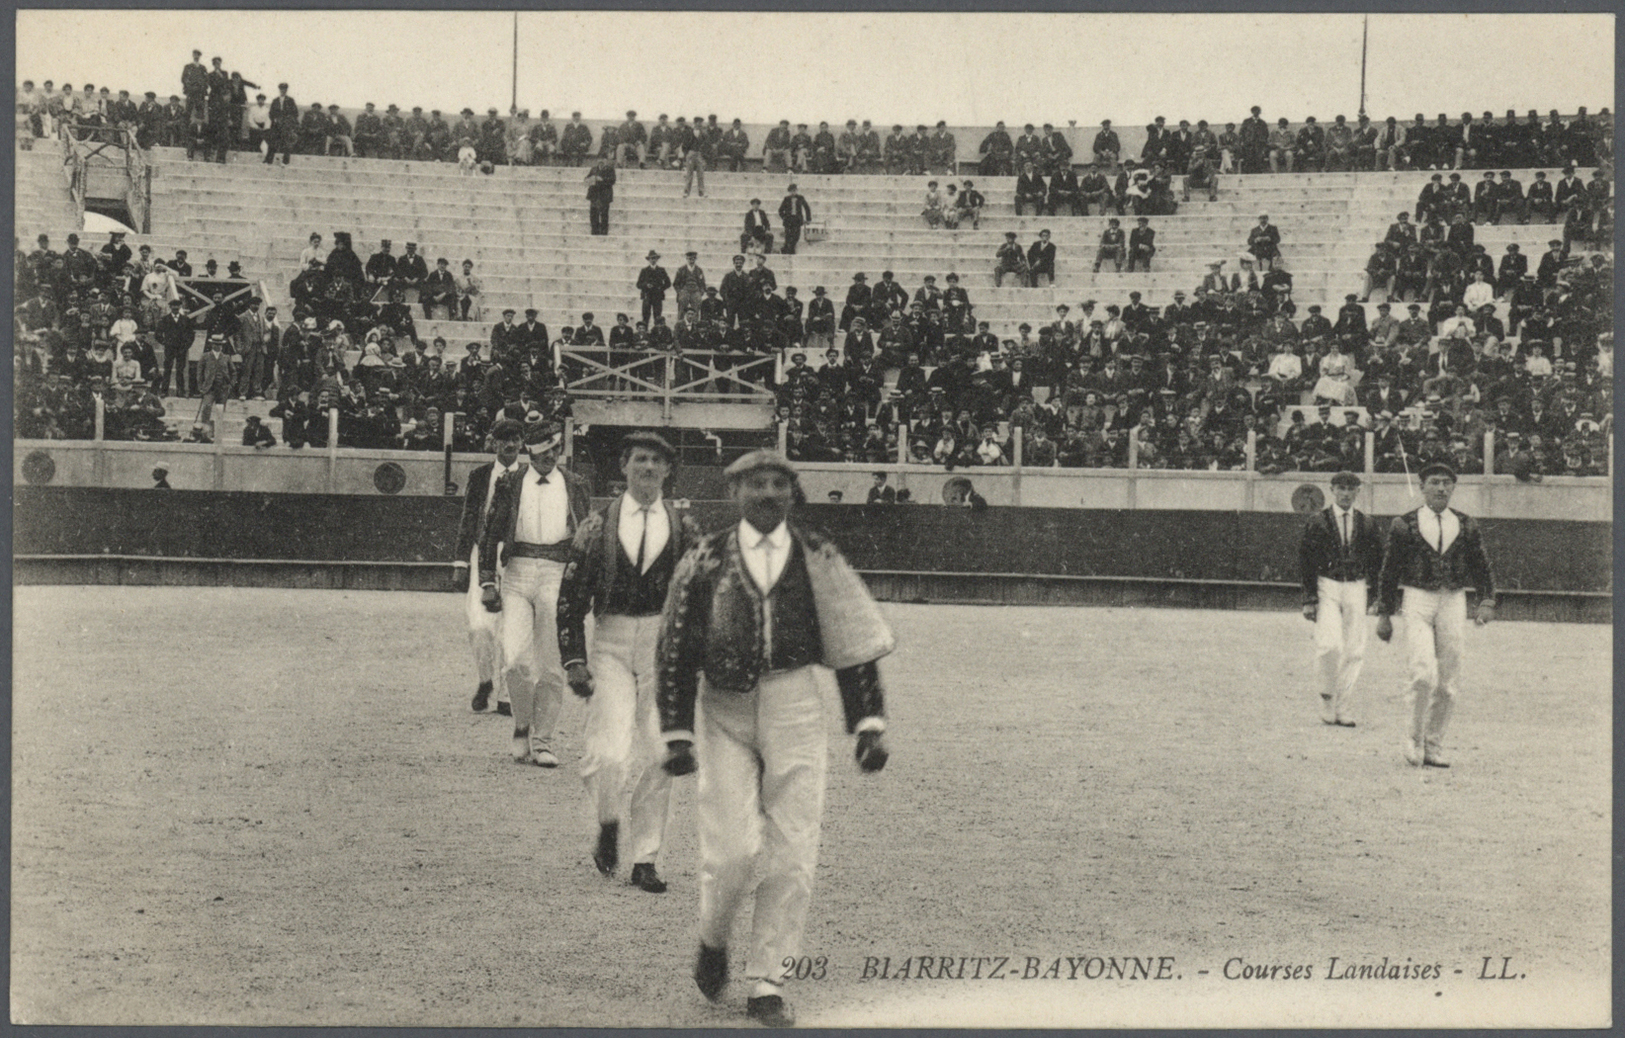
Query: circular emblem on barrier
[(389, 478), (39, 468), (1308, 498)]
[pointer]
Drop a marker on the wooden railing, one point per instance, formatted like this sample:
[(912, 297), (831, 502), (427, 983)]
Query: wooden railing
[(592, 372)]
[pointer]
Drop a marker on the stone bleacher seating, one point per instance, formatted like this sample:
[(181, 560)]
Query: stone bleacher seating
[(526, 230)]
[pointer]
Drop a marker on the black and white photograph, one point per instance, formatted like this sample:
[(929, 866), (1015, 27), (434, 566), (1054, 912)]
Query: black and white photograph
[(849, 519)]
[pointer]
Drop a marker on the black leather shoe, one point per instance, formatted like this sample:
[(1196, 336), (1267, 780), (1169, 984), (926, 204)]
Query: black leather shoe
[(770, 1011), (644, 878), (505, 709), (482, 697), (711, 971), (607, 855)]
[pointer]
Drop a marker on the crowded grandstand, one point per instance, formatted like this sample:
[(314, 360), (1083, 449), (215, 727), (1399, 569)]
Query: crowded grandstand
[(1446, 351)]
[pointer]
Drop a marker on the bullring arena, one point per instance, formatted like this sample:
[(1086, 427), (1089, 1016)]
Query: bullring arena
[(247, 788)]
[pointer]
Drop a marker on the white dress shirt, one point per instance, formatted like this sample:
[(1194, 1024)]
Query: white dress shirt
[(1344, 519), (1477, 294), (1439, 529), (765, 553), (646, 526), (544, 509), (497, 472)]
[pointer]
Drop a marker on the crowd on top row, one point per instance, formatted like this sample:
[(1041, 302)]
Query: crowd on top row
[(216, 113)]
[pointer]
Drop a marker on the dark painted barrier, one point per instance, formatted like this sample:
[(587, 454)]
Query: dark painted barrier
[(1228, 547)]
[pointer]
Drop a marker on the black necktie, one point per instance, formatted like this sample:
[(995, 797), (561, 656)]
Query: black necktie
[(643, 537)]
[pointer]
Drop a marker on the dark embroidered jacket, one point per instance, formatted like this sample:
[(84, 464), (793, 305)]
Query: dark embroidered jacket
[(600, 578), (1322, 553), (713, 623), (1412, 562)]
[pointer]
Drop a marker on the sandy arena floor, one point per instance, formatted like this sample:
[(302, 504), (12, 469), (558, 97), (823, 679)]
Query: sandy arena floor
[(247, 807)]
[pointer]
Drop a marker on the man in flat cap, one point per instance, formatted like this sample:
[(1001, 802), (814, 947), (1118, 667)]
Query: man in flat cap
[(757, 607), (1435, 553), (484, 628), (621, 564), (1340, 559), (536, 512)]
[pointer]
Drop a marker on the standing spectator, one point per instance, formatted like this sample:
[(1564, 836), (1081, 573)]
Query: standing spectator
[(258, 121), (194, 84), (653, 281), (762, 732), (690, 283), (1264, 242), (600, 193), (284, 125), (794, 213), (687, 140), (252, 345), (175, 333)]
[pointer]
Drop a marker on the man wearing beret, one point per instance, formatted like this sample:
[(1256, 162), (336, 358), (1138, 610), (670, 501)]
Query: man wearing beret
[(508, 437), (757, 607), (1435, 553), (534, 515), (1340, 559), (620, 567)]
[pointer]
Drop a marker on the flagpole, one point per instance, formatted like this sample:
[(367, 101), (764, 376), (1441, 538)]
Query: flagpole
[(1365, 30), (514, 105)]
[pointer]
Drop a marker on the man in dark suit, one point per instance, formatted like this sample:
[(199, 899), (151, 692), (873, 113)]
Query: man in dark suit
[(508, 438), (535, 513), (175, 333), (600, 193), (1041, 259), (1142, 245), (758, 232), (620, 565), (652, 284), (1340, 559), (1434, 554), (794, 212)]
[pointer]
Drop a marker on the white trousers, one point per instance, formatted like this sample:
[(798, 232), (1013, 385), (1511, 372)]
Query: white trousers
[(1434, 624), (760, 802), (1340, 636), (484, 632), (530, 644), (622, 722)]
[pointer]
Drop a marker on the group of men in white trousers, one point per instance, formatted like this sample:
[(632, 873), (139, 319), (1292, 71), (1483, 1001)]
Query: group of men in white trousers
[(1433, 555)]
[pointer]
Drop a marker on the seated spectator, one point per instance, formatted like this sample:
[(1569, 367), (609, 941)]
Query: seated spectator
[(1030, 189), (970, 205), (1264, 241), (1112, 246), (1010, 259), (932, 213)]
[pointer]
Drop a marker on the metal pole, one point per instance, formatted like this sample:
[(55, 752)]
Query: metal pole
[(514, 107), (448, 422), (1365, 30), (101, 417)]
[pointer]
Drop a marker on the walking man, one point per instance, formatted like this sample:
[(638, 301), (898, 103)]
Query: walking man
[(484, 629), (620, 567), (756, 607), (527, 537), (1435, 553), (1340, 559)]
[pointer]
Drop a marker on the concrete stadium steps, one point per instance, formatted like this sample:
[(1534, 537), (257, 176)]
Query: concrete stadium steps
[(41, 203), (526, 231)]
